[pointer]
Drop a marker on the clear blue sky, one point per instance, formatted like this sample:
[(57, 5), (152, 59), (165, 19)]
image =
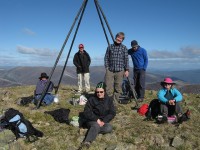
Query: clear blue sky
[(32, 31)]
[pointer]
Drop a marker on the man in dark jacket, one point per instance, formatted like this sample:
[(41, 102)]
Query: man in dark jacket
[(82, 62), (98, 112)]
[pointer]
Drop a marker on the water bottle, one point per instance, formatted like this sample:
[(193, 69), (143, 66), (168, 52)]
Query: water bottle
[(56, 100)]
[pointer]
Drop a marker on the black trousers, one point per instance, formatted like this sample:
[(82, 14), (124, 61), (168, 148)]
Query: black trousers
[(139, 81)]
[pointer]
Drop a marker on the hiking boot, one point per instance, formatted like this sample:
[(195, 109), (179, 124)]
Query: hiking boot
[(161, 119), (140, 100), (184, 117), (84, 145), (187, 113), (87, 144)]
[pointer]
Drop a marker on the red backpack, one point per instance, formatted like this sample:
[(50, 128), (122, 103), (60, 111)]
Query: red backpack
[(143, 109)]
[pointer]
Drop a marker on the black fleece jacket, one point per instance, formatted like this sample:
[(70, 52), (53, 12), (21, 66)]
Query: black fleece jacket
[(102, 109), (82, 62)]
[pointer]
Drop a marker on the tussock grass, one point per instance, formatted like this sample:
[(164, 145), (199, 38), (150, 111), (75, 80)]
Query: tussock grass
[(129, 129)]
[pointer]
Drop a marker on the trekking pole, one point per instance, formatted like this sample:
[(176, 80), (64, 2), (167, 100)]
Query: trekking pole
[(134, 92), (63, 46)]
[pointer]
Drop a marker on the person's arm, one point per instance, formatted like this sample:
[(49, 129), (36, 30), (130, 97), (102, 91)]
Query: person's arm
[(161, 96), (111, 114), (75, 61), (38, 89), (178, 96), (145, 59), (51, 86), (89, 59), (129, 52), (88, 111), (126, 60), (106, 58)]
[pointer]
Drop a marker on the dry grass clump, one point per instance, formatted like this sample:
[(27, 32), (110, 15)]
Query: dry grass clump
[(130, 129)]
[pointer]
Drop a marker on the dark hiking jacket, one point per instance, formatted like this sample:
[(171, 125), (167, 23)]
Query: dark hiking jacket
[(82, 62), (99, 109), (41, 85)]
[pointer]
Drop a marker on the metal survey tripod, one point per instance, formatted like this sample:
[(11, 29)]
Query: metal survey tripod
[(78, 16)]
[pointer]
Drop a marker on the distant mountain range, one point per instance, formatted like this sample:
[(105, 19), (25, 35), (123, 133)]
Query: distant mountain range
[(186, 80)]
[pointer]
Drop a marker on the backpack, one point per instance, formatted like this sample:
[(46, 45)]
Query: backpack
[(153, 110), (143, 109), (25, 101), (15, 121), (125, 87), (127, 92), (60, 115)]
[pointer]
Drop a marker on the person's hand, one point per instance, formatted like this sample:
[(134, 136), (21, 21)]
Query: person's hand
[(172, 102), (101, 123), (126, 73)]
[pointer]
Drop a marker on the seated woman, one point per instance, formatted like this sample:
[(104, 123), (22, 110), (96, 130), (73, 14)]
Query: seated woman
[(41, 84), (98, 111), (170, 99)]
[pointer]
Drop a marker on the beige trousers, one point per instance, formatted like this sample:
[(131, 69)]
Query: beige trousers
[(113, 82), (86, 78)]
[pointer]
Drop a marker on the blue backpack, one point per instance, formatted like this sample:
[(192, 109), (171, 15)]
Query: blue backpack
[(15, 121)]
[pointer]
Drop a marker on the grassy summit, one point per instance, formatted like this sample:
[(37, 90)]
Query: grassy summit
[(130, 131)]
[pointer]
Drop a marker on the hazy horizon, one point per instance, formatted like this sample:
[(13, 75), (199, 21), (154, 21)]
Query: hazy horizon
[(149, 69)]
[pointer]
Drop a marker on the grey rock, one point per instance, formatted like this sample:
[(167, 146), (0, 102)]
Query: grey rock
[(177, 141)]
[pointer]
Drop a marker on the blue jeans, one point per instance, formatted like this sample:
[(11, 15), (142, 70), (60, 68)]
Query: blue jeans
[(48, 99)]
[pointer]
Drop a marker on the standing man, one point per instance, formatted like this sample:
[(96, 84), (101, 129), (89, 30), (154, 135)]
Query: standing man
[(140, 62), (82, 62), (116, 64)]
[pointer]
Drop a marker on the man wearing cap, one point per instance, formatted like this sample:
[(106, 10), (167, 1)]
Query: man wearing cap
[(82, 62), (140, 62), (41, 84), (117, 65)]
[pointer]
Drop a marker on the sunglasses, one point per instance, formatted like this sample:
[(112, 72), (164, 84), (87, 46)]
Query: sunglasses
[(99, 91), (167, 84)]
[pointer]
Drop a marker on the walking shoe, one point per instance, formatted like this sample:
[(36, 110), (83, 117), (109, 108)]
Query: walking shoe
[(161, 119), (140, 100), (84, 145), (187, 113), (87, 144), (184, 117)]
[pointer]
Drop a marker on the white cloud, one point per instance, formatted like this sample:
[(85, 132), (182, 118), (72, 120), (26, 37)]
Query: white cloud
[(36, 51), (28, 31), (183, 53)]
